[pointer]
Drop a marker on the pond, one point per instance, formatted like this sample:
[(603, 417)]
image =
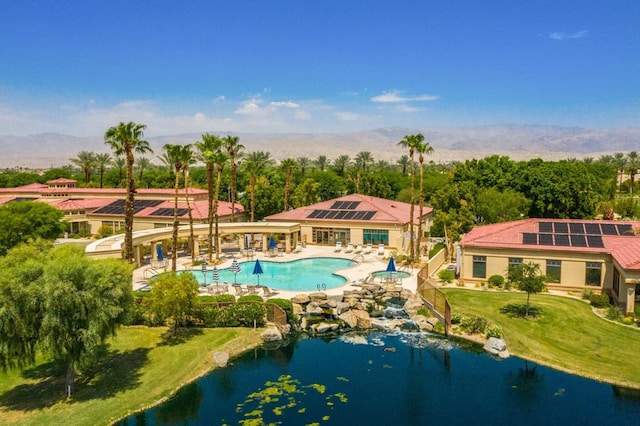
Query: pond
[(387, 379)]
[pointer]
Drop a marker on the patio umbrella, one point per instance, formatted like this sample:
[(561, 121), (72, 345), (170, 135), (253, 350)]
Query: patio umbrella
[(204, 271), (391, 267), (159, 252), (257, 270), (272, 243), (215, 275), (246, 242), (235, 269)]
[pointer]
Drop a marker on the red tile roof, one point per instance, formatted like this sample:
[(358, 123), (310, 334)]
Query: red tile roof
[(625, 249), (386, 211)]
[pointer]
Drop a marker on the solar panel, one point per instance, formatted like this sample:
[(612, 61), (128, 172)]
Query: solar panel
[(314, 214), (332, 214), (545, 239), (624, 229), (560, 227), (337, 205), (323, 214), (352, 205), (561, 240), (359, 215), (530, 238), (368, 215), (592, 228), (341, 214), (595, 241), (576, 228), (609, 229), (350, 214), (167, 211), (545, 227), (578, 240)]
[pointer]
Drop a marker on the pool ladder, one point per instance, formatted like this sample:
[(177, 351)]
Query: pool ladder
[(358, 258)]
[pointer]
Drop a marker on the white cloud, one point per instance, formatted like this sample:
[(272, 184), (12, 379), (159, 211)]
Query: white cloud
[(287, 104), (395, 97), (347, 116), (250, 107), (565, 36)]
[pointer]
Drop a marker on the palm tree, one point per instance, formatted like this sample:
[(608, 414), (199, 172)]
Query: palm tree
[(187, 158), (102, 160), (321, 162), (120, 164), (421, 149), (404, 164), (176, 154), (125, 139), (86, 160), (254, 164), (143, 164), (633, 164), (289, 165), (621, 163), (412, 142), (341, 163), (234, 149), (207, 149), (363, 158), (303, 164)]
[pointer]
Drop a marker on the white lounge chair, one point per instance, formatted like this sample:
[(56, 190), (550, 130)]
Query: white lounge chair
[(358, 248), (369, 248), (338, 246), (298, 247), (380, 249), (349, 248)]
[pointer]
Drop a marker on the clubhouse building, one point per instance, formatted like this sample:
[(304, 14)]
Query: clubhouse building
[(573, 254)]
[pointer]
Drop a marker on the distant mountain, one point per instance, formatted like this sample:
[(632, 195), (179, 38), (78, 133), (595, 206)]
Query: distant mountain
[(449, 143)]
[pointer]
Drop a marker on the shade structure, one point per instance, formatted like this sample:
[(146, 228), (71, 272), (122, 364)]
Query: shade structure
[(391, 268), (272, 243), (159, 252), (257, 270), (234, 269), (216, 275)]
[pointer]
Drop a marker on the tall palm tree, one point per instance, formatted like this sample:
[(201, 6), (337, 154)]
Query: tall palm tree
[(421, 149), (119, 163), (303, 164), (207, 151), (289, 165), (254, 164), (86, 160), (404, 164), (187, 158), (126, 139), (412, 142), (142, 165), (102, 161), (363, 159), (620, 162), (633, 164), (321, 162), (234, 149), (175, 153), (341, 163)]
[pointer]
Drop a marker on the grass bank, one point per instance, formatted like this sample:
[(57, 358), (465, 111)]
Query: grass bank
[(139, 368), (567, 335)]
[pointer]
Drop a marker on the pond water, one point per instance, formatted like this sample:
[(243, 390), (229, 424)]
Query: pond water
[(384, 379)]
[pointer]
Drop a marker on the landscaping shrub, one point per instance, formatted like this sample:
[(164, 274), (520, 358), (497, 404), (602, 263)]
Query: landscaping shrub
[(250, 314), (456, 318), (435, 249), (424, 312), (250, 298), (599, 300), (446, 276), (496, 280), (493, 330), (614, 313), (212, 316), (473, 324), (627, 321), (287, 307), (586, 293)]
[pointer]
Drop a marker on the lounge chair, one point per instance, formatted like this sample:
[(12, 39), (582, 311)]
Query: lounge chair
[(380, 249), (298, 247), (267, 292), (369, 248), (338, 246), (239, 290), (252, 289), (349, 248), (358, 248)]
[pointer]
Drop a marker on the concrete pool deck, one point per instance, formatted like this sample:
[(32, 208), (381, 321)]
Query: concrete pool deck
[(369, 263)]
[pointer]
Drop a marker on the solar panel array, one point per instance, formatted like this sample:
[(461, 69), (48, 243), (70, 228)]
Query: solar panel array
[(348, 205), (117, 207), (574, 234), (167, 211), (342, 214)]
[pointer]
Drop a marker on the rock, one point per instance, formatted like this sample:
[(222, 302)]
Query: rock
[(323, 327), (433, 321), (318, 295), (412, 305), (297, 308), (301, 299), (313, 308), (342, 307), (363, 319), (221, 358), (329, 303), (271, 334), (504, 354), (349, 318), (495, 346)]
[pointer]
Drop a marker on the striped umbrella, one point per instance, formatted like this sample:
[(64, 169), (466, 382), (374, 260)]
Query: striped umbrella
[(215, 275), (235, 269)]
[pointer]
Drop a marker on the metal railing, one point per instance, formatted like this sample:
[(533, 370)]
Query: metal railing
[(435, 299)]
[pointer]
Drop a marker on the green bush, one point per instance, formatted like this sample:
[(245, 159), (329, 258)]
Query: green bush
[(250, 314), (496, 280), (435, 249), (614, 313), (586, 293), (212, 316), (250, 298), (627, 321), (493, 330), (473, 324), (446, 276), (599, 300), (220, 298), (424, 312), (287, 307), (456, 318)]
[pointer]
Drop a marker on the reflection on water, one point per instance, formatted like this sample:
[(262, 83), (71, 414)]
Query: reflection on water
[(382, 379)]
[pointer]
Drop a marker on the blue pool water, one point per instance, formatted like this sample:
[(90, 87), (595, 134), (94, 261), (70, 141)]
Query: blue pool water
[(385, 274), (299, 275), (382, 379)]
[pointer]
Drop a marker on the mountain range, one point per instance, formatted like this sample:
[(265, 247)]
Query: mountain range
[(519, 142)]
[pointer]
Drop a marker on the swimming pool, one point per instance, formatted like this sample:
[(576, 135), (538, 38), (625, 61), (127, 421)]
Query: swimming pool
[(386, 274), (298, 275)]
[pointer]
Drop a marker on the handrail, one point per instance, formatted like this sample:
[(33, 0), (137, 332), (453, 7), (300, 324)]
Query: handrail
[(358, 258), (435, 299)]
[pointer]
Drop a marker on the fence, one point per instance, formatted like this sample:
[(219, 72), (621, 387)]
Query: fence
[(276, 315), (434, 298)]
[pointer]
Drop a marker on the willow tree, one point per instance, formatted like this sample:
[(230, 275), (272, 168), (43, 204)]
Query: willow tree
[(126, 139)]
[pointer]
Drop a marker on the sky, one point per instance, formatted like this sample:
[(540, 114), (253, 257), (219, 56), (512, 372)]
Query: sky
[(316, 66)]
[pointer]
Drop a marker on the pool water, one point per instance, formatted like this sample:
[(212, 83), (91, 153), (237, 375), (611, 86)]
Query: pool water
[(385, 274), (307, 274)]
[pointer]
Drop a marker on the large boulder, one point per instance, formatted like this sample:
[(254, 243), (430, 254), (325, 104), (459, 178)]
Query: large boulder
[(328, 303), (297, 308), (313, 308), (349, 318), (412, 305), (221, 358), (363, 319), (497, 347), (301, 299), (318, 295), (342, 307), (271, 334)]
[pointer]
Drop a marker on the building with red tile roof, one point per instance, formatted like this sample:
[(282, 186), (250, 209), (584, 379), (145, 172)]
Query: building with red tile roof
[(600, 255), (357, 218)]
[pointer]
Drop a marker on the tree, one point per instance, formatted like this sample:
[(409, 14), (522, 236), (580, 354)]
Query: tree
[(633, 164), (412, 142), (103, 159), (126, 139), (321, 162), (620, 162), (255, 164), (86, 160), (58, 301), (493, 206), (363, 159), (527, 277), (21, 221), (142, 165), (306, 193), (303, 164), (177, 155), (174, 297), (289, 165), (421, 149), (234, 149), (341, 163), (404, 164)]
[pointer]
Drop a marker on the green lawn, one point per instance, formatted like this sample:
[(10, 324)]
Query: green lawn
[(567, 335), (139, 368)]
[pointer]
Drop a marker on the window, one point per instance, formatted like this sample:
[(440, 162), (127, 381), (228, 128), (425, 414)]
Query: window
[(554, 271), (593, 274), (330, 236), (479, 266), (375, 236), (616, 282)]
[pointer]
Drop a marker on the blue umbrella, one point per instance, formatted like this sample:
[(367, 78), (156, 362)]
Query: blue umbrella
[(235, 269), (391, 267), (272, 243), (159, 252), (257, 270), (246, 242)]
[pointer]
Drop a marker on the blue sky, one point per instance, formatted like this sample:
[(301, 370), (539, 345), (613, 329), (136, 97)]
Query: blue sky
[(267, 66)]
